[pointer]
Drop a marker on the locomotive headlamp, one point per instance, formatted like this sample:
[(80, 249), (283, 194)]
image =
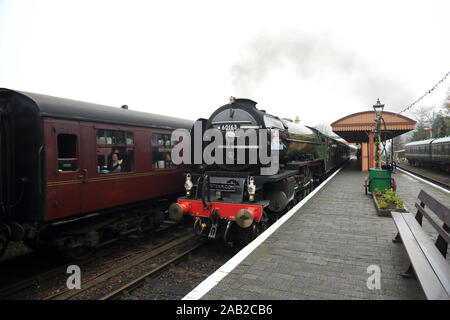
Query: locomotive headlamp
[(231, 100), (244, 218), (251, 189), (188, 185)]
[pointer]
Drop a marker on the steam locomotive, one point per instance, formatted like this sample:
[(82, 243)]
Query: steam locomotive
[(238, 198), (58, 187)]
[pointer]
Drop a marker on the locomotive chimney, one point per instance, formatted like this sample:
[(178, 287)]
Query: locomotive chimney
[(124, 106), (297, 119)]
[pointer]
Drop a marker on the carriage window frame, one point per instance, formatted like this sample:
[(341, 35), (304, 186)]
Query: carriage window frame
[(127, 143), (60, 159), (154, 143)]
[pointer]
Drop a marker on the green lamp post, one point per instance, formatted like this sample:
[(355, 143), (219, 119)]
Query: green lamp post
[(379, 179), (379, 112)]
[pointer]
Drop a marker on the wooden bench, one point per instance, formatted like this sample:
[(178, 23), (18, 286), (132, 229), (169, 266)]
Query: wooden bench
[(428, 259)]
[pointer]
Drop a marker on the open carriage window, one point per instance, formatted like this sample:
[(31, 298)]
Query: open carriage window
[(67, 152), (161, 151), (115, 151)]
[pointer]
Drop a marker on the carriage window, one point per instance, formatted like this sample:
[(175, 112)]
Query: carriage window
[(67, 152), (115, 151), (161, 151)]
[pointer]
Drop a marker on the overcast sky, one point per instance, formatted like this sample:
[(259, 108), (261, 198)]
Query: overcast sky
[(319, 60)]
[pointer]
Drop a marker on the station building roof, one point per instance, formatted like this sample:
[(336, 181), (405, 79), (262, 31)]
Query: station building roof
[(355, 127)]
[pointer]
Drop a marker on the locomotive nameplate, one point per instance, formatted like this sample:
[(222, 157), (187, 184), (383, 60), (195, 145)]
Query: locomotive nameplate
[(223, 186)]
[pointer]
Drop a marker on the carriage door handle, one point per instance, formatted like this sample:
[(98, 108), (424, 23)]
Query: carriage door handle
[(83, 176)]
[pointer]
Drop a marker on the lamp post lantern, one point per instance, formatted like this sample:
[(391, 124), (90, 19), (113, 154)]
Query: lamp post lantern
[(378, 108)]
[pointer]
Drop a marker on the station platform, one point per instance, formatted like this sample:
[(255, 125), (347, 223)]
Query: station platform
[(324, 250)]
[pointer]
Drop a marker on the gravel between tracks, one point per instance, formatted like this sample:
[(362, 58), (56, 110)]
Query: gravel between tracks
[(179, 279)]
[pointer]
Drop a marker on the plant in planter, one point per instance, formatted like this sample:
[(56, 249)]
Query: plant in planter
[(387, 201)]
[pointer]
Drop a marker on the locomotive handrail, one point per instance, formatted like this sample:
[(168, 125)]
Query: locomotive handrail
[(303, 141), (205, 184)]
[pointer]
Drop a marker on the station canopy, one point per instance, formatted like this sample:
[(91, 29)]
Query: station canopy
[(356, 127)]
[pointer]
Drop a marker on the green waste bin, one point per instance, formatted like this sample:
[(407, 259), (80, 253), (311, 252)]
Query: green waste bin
[(380, 179)]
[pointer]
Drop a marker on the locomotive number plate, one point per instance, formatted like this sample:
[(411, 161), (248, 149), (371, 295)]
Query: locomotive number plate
[(228, 127)]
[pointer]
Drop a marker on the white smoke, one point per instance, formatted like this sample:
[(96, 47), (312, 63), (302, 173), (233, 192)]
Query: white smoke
[(314, 57)]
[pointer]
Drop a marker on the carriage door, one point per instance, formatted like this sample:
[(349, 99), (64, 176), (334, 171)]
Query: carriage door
[(64, 170)]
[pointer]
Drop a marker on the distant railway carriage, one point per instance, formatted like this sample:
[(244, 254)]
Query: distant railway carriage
[(58, 183), (440, 153), (429, 153), (418, 153)]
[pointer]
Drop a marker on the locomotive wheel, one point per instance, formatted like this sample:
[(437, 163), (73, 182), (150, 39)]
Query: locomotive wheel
[(198, 230), (253, 232), (34, 244)]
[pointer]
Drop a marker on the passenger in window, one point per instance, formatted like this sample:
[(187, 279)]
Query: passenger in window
[(115, 164)]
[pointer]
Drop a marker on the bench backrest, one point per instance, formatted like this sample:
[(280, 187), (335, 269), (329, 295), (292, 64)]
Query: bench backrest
[(442, 212)]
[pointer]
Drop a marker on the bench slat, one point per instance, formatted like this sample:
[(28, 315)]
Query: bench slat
[(438, 262), (429, 281), (438, 208), (437, 227)]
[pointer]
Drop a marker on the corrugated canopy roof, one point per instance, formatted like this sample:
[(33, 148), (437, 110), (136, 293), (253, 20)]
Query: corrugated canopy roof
[(355, 127)]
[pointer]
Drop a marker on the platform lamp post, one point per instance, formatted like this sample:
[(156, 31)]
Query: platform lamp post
[(378, 179), (379, 112)]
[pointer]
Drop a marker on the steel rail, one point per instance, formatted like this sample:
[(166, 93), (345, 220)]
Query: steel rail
[(138, 281), (106, 275), (39, 277), (427, 179)]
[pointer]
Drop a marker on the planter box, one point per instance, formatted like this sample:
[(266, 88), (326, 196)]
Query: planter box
[(384, 212)]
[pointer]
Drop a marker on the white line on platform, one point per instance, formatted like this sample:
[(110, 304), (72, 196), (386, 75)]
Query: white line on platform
[(217, 276), (423, 180)]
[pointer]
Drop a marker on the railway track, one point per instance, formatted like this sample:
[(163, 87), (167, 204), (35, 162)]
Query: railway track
[(130, 271), (440, 179), (133, 284), (54, 269)]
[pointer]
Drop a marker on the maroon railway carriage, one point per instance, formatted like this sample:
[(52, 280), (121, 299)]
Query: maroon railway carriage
[(58, 183)]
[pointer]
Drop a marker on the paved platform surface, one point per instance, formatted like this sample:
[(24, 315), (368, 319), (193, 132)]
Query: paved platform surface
[(324, 250)]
